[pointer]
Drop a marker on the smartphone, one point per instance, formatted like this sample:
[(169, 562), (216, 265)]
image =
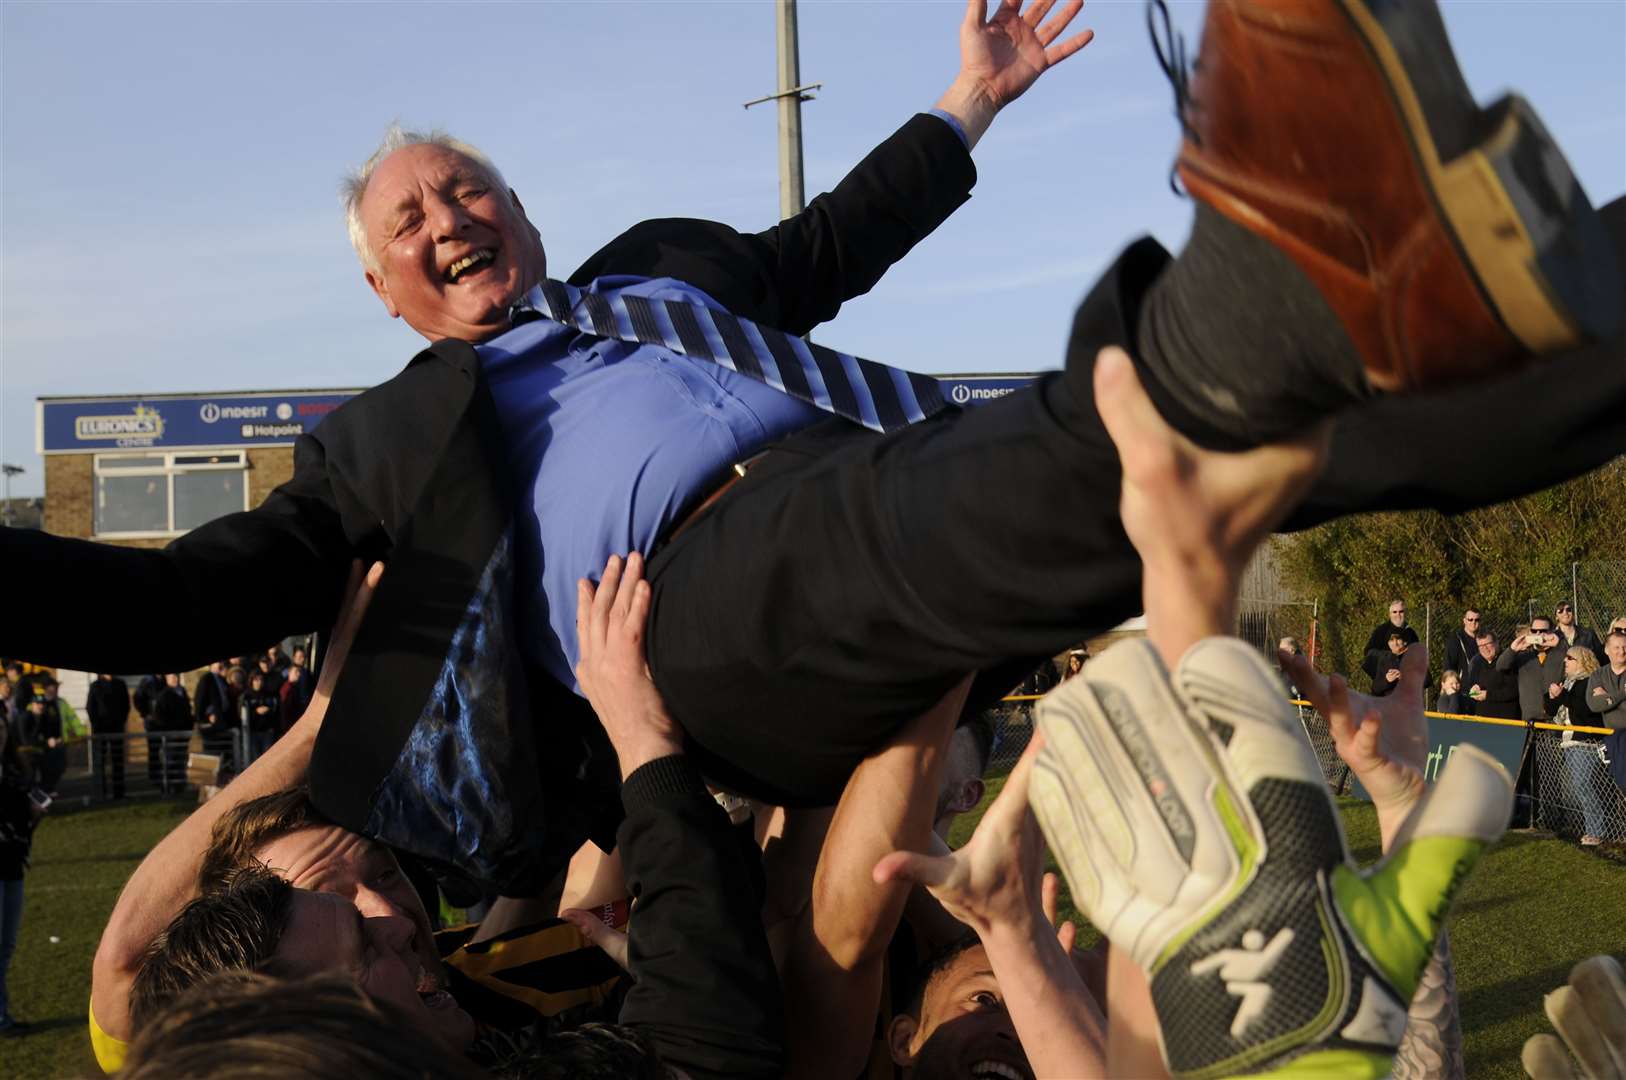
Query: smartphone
[(40, 798)]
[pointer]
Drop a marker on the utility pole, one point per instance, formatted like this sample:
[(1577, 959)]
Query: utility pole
[(790, 95), (791, 198)]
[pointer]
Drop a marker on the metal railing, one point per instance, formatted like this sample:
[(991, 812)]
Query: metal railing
[(95, 768)]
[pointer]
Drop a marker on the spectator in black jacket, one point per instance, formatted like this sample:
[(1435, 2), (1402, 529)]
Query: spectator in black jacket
[(42, 730), (145, 699), (172, 715), (266, 667), (215, 713), (1386, 666), (1493, 691), (1566, 703), (262, 712), (1461, 647), (1536, 658), (1574, 633), (1377, 643), (108, 703)]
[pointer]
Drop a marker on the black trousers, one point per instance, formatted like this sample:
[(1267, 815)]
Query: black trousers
[(850, 579), (110, 762)]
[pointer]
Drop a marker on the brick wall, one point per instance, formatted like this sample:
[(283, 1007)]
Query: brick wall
[(70, 490)]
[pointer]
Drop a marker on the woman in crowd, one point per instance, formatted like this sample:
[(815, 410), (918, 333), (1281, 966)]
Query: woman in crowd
[(18, 815), (1566, 703)]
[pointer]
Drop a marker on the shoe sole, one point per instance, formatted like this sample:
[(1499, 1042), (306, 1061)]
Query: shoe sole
[(1525, 229)]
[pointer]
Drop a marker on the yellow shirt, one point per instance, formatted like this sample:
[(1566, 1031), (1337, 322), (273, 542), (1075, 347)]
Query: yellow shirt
[(110, 1052)]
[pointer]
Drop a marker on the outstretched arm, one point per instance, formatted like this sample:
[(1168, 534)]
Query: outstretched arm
[(167, 878)]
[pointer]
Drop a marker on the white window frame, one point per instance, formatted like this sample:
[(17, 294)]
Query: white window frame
[(233, 460)]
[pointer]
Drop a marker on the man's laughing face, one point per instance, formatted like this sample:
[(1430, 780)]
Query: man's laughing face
[(453, 247)]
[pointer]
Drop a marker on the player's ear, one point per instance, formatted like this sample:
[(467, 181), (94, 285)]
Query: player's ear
[(379, 286), (899, 1039), (969, 795)]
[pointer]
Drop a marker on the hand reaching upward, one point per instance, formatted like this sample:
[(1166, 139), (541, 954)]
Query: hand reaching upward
[(1008, 52), (1003, 55)]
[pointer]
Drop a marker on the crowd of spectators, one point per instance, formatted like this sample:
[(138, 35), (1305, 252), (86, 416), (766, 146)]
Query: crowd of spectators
[(259, 696), (1551, 670)]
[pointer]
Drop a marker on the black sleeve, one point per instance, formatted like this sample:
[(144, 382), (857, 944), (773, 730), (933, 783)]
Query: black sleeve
[(293, 543), (798, 273), (706, 994)]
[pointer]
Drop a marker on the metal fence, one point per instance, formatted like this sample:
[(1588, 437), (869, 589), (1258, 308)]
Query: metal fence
[(1572, 792), (137, 764)]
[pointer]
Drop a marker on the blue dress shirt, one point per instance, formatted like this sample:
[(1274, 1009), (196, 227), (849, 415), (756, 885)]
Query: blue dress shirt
[(610, 443)]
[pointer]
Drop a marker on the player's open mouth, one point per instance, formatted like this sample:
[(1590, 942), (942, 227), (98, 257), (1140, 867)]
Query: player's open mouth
[(432, 993), (995, 1068), (437, 999), (470, 263)]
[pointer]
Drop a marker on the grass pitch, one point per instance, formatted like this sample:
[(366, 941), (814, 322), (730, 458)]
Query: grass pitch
[(1532, 909)]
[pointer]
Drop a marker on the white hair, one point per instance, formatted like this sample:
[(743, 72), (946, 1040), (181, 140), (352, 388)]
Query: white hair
[(354, 186)]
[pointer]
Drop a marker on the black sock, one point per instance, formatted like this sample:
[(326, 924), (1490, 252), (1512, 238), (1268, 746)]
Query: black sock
[(1242, 346)]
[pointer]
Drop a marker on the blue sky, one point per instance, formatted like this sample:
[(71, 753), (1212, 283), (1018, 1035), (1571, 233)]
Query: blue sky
[(168, 172)]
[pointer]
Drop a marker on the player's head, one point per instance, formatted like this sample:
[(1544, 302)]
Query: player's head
[(962, 788), (956, 1024), (248, 1024), (260, 923), (285, 833), (443, 239)]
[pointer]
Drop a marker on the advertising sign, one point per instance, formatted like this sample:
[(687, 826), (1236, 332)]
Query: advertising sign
[(269, 418), (968, 390), (1504, 742), (168, 422)]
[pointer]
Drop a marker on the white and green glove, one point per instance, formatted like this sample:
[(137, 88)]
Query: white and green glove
[(1589, 1013), (1192, 821)]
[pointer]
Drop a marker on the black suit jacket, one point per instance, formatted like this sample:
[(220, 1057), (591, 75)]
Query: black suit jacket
[(430, 743)]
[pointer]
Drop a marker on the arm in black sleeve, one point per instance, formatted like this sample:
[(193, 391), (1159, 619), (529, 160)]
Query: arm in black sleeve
[(706, 993), (798, 273), (292, 545)]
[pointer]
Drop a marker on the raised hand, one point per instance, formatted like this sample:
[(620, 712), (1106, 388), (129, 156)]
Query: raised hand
[(1383, 740), (611, 669), (1006, 54)]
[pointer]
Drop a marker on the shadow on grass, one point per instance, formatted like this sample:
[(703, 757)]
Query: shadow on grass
[(41, 1027), (1492, 1005)]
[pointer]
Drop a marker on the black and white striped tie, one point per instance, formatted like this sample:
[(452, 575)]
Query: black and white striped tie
[(879, 397)]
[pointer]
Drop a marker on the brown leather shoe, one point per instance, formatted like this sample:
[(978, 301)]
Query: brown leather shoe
[(1451, 241)]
